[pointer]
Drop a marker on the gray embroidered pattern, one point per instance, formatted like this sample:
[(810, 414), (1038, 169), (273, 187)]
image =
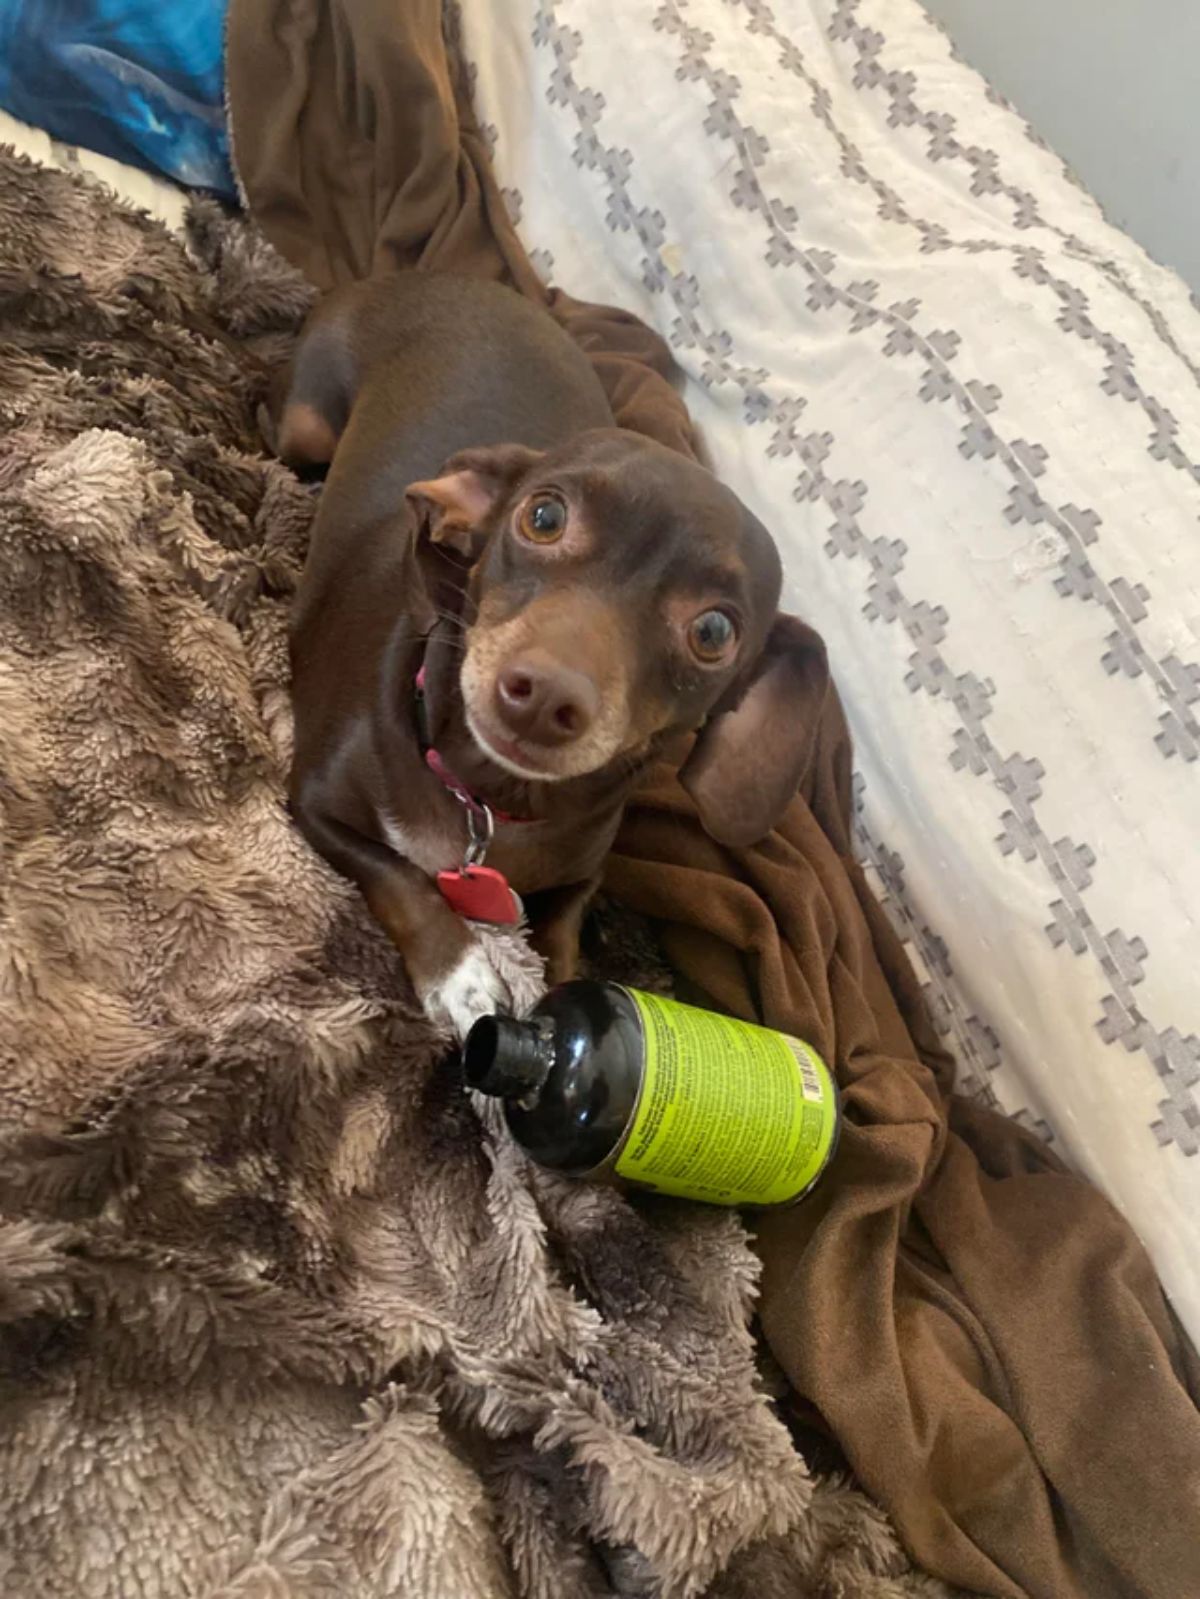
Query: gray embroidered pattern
[(1065, 862), (986, 179), (870, 73), (542, 261), (974, 1043), (1177, 682)]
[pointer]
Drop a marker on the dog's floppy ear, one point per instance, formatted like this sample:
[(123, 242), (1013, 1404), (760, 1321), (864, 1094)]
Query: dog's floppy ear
[(749, 757), (456, 507)]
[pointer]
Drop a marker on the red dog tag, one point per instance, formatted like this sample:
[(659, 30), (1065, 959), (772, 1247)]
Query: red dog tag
[(481, 894)]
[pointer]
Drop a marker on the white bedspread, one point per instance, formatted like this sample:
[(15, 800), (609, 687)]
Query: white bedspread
[(969, 410), (161, 199)]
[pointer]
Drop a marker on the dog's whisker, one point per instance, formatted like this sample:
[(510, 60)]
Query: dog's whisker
[(418, 637), (454, 620)]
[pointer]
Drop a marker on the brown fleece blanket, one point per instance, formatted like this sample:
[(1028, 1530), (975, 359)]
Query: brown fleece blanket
[(983, 1334), (279, 1319)]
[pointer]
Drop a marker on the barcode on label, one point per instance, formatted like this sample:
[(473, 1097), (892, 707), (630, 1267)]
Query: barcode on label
[(810, 1080)]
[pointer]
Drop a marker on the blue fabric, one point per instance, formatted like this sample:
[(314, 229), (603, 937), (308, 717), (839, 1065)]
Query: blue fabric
[(140, 80)]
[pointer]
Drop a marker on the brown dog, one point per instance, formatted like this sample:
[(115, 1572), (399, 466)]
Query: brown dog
[(509, 607)]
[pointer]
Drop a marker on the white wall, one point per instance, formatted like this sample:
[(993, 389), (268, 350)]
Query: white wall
[(1114, 87)]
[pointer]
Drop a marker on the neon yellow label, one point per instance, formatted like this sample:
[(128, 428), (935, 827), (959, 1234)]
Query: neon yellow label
[(728, 1113)]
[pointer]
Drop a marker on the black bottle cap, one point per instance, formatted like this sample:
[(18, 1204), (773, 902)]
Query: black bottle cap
[(508, 1058)]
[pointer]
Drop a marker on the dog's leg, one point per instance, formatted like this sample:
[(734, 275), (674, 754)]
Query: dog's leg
[(309, 403), (558, 920), (447, 965)]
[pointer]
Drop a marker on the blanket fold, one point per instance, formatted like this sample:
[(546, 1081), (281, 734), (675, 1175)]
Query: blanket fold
[(983, 1333), (365, 157)]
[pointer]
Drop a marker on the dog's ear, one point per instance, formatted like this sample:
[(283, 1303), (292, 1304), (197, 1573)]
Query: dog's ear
[(751, 754), (456, 507)]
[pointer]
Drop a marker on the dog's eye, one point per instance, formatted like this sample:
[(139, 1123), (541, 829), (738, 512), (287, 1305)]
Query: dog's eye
[(712, 635), (543, 519)]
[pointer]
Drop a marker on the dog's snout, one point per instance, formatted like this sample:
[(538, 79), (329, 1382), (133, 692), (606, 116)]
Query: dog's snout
[(545, 702)]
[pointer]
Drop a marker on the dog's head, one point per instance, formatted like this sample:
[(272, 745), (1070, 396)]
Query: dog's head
[(617, 594)]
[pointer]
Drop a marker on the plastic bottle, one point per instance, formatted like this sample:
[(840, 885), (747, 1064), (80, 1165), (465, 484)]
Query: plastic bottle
[(610, 1084)]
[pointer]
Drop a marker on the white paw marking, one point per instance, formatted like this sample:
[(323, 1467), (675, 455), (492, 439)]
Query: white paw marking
[(468, 991)]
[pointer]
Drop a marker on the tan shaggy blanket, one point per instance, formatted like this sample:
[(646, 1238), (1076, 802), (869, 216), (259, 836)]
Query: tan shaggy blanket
[(278, 1315)]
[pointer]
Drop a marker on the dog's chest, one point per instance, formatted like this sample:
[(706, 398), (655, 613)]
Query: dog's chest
[(541, 855), (532, 855), (430, 843)]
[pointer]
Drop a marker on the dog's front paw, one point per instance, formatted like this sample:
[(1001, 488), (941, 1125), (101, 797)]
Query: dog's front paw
[(470, 989)]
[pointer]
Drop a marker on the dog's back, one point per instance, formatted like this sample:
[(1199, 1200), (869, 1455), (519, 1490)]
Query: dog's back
[(400, 373)]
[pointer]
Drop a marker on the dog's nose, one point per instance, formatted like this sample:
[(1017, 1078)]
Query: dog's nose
[(546, 703)]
